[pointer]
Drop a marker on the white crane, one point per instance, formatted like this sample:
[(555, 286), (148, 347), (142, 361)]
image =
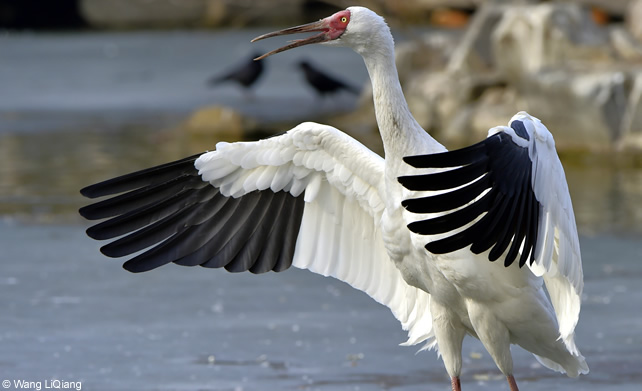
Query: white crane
[(418, 231)]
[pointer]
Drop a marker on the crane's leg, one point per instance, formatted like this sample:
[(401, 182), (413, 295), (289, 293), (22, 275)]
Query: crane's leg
[(511, 383), (454, 381), (449, 333), (496, 339)]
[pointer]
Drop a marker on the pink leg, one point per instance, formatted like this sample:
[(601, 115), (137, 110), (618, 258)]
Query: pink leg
[(455, 383), (511, 383)]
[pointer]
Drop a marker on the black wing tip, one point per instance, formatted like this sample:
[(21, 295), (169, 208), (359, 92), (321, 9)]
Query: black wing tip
[(135, 267), (86, 192), (120, 184), (92, 191), (93, 233), (91, 212), (85, 212), (107, 250), (101, 189)]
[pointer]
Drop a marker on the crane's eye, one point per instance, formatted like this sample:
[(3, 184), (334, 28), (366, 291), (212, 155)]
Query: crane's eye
[(344, 19)]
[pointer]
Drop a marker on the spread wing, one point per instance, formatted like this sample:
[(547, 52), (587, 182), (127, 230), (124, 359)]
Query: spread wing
[(311, 198), (507, 194)]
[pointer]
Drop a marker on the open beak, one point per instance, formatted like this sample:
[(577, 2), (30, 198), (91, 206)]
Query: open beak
[(321, 26)]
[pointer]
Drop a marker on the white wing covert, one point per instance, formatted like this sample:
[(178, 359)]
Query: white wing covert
[(507, 194), (310, 197)]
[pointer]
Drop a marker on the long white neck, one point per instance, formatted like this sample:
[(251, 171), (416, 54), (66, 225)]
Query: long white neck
[(400, 132)]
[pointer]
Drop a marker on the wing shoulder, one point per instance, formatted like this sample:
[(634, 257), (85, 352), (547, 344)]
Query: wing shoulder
[(300, 160)]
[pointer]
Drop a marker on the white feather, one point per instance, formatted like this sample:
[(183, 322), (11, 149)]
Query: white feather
[(558, 249), (339, 233)]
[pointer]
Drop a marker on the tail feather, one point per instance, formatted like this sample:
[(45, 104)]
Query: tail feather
[(573, 366)]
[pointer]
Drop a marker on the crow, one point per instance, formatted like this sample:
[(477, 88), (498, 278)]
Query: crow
[(324, 83), (245, 74)]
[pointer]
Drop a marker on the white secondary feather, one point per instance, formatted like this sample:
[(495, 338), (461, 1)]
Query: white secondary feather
[(557, 254), (339, 236)]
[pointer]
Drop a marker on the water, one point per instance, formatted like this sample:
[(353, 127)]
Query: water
[(71, 314), (107, 80), (109, 103)]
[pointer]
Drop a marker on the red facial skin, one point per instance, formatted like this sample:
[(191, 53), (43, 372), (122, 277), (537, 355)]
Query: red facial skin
[(337, 24)]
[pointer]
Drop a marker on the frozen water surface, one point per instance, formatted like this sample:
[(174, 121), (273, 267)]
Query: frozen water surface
[(69, 313)]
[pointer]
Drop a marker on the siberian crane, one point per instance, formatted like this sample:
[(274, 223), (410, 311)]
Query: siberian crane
[(479, 241)]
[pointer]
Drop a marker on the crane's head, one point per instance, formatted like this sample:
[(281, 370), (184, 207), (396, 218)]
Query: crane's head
[(353, 27)]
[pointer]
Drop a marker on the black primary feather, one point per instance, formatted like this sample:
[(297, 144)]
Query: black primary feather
[(509, 209), (150, 176), (170, 214)]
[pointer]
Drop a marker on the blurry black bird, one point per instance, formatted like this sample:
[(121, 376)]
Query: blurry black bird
[(324, 83), (246, 73)]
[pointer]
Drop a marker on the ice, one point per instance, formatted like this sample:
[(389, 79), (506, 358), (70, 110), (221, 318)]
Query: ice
[(141, 331)]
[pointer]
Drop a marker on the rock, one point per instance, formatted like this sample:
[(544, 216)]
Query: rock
[(529, 39), (495, 107), (631, 127), (443, 102), (584, 110), (633, 18), (432, 100), (474, 53), (428, 53), (625, 45), (222, 123), (549, 59), (460, 110), (565, 70)]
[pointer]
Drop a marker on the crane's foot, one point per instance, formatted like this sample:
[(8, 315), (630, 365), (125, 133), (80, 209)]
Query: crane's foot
[(511, 383), (455, 383)]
